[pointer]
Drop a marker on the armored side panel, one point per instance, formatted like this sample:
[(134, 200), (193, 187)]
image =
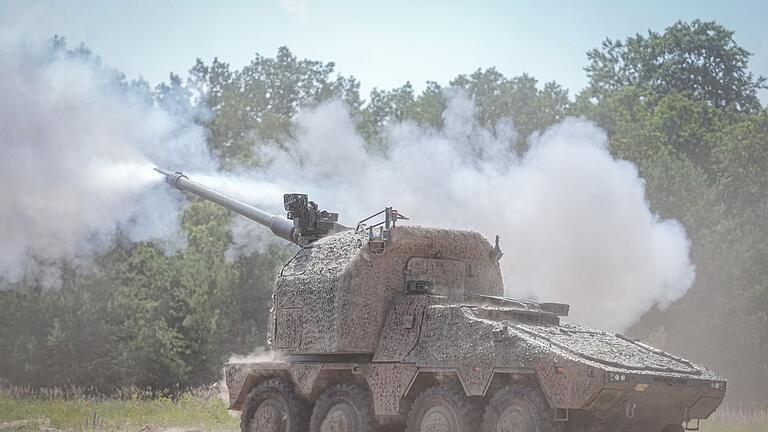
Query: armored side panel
[(333, 296)]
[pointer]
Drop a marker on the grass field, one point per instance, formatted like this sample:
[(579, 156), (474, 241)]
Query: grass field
[(187, 414), (195, 412)]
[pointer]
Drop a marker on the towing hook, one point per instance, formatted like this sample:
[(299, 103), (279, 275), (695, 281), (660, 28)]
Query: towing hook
[(629, 409)]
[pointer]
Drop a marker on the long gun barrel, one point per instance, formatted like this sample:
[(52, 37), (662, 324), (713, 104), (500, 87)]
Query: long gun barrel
[(279, 225)]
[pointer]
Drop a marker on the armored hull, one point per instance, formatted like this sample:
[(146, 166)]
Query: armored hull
[(406, 327), (427, 312)]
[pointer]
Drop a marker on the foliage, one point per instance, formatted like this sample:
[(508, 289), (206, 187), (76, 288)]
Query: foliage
[(143, 318), (256, 104), (499, 100), (699, 58), (701, 146), (208, 414), (518, 99)]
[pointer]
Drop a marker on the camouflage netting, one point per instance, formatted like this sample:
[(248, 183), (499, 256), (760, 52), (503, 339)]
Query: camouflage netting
[(333, 296)]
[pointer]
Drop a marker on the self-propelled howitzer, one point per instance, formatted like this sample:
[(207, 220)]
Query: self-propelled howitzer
[(407, 327)]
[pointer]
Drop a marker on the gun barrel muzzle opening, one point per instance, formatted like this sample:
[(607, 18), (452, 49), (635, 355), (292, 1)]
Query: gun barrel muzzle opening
[(171, 177)]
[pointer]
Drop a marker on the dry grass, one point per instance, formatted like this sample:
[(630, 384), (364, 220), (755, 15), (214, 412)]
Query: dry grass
[(187, 413), (24, 409), (91, 393), (136, 410)]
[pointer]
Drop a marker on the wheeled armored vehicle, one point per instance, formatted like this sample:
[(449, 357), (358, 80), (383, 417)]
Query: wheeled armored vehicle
[(388, 326)]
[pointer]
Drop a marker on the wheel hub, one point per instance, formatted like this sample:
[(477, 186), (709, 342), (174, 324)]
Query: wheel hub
[(515, 419), (342, 417), (269, 417), (439, 419)]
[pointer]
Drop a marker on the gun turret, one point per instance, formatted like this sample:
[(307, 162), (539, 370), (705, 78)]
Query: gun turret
[(304, 224)]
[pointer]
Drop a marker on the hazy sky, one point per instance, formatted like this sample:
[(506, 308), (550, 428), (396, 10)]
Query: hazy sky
[(383, 43)]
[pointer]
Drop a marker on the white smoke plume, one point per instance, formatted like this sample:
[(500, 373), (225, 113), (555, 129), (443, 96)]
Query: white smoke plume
[(574, 222), (77, 147)]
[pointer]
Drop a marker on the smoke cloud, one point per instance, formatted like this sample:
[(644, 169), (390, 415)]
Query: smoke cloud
[(78, 146), (574, 222)]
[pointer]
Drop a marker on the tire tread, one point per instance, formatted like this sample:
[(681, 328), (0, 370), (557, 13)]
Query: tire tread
[(466, 410), (544, 414), (296, 405), (352, 392)]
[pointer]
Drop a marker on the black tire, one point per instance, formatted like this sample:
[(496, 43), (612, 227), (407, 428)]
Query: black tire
[(344, 408), (519, 408), (444, 409), (273, 406)]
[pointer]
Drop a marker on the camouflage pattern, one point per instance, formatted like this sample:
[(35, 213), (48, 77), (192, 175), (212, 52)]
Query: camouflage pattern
[(337, 298), (406, 311)]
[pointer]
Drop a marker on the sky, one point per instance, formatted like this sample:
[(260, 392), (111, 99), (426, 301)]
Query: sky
[(382, 43)]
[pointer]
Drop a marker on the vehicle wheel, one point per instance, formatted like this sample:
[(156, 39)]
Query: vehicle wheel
[(344, 408), (273, 406), (520, 409), (673, 428), (442, 409)]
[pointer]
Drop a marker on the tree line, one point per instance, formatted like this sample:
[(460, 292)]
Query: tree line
[(680, 104)]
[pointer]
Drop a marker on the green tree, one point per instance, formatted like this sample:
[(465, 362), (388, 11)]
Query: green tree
[(25, 323), (256, 104), (518, 98), (251, 299), (682, 106), (383, 108), (699, 58), (741, 159), (496, 97), (173, 312)]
